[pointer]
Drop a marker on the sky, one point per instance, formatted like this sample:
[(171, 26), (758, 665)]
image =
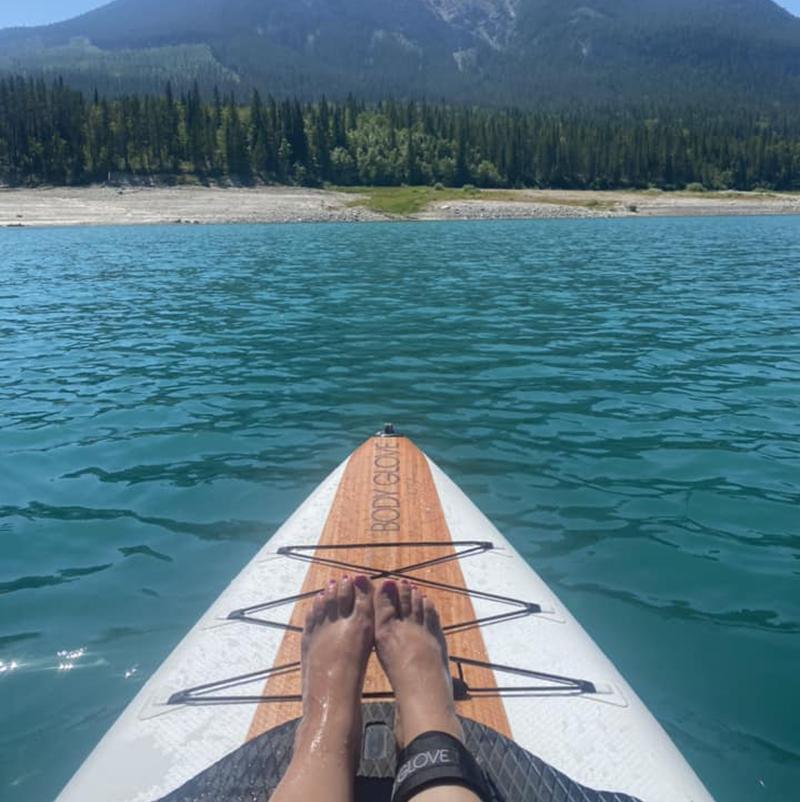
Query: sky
[(41, 12)]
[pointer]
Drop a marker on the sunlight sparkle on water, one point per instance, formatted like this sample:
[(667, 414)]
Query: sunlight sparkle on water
[(68, 658)]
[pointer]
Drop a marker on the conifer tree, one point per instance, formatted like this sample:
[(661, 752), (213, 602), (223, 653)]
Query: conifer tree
[(50, 133)]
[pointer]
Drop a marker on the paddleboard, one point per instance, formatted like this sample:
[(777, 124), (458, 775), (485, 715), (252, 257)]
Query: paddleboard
[(546, 713)]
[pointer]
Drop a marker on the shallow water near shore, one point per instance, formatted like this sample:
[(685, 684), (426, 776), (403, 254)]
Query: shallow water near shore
[(620, 397)]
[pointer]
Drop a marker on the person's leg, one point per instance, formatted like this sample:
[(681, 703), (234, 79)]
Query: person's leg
[(337, 641), (446, 793), (413, 653)]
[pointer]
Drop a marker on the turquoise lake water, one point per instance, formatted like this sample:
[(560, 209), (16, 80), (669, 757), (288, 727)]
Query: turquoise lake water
[(621, 397)]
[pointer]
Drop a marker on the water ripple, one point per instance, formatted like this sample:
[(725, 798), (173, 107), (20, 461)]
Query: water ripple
[(767, 620), (217, 530)]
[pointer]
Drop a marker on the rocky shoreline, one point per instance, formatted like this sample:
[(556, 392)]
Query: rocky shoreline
[(501, 210), (116, 206)]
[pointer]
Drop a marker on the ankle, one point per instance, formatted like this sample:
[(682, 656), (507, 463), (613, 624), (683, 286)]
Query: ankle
[(416, 719), (323, 730)]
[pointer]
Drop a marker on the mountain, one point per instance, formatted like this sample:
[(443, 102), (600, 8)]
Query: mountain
[(525, 52)]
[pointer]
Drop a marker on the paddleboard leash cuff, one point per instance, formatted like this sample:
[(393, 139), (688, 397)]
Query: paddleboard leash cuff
[(436, 758)]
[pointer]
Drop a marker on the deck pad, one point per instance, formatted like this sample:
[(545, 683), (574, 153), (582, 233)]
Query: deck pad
[(252, 773)]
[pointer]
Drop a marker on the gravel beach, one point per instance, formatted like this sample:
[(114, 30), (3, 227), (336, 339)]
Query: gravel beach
[(101, 205)]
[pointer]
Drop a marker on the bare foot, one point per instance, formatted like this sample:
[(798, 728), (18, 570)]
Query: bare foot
[(337, 641), (413, 653)]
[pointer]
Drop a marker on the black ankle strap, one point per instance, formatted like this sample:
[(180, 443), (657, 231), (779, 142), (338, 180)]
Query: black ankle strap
[(436, 758)]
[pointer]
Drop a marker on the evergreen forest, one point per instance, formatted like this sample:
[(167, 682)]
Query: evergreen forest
[(52, 134)]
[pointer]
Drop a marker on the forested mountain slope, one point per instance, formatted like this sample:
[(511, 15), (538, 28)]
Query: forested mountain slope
[(484, 51)]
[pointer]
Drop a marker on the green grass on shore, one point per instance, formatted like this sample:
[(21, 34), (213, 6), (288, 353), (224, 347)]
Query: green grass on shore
[(406, 201), (403, 201)]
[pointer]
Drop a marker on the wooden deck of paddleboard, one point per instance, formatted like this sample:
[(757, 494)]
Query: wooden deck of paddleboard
[(387, 496)]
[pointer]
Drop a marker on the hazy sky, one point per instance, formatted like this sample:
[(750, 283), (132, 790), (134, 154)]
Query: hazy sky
[(40, 12), (792, 5)]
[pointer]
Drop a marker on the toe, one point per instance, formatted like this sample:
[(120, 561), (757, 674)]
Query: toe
[(387, 603), (363, 593), (311, 620), (346, 597), (434, 625), (318, 608), (417, 605), (332, 600), (405, 598), (431, 615)]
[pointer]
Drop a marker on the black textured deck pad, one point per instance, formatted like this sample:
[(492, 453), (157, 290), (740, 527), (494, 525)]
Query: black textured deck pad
[(252, 772)]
